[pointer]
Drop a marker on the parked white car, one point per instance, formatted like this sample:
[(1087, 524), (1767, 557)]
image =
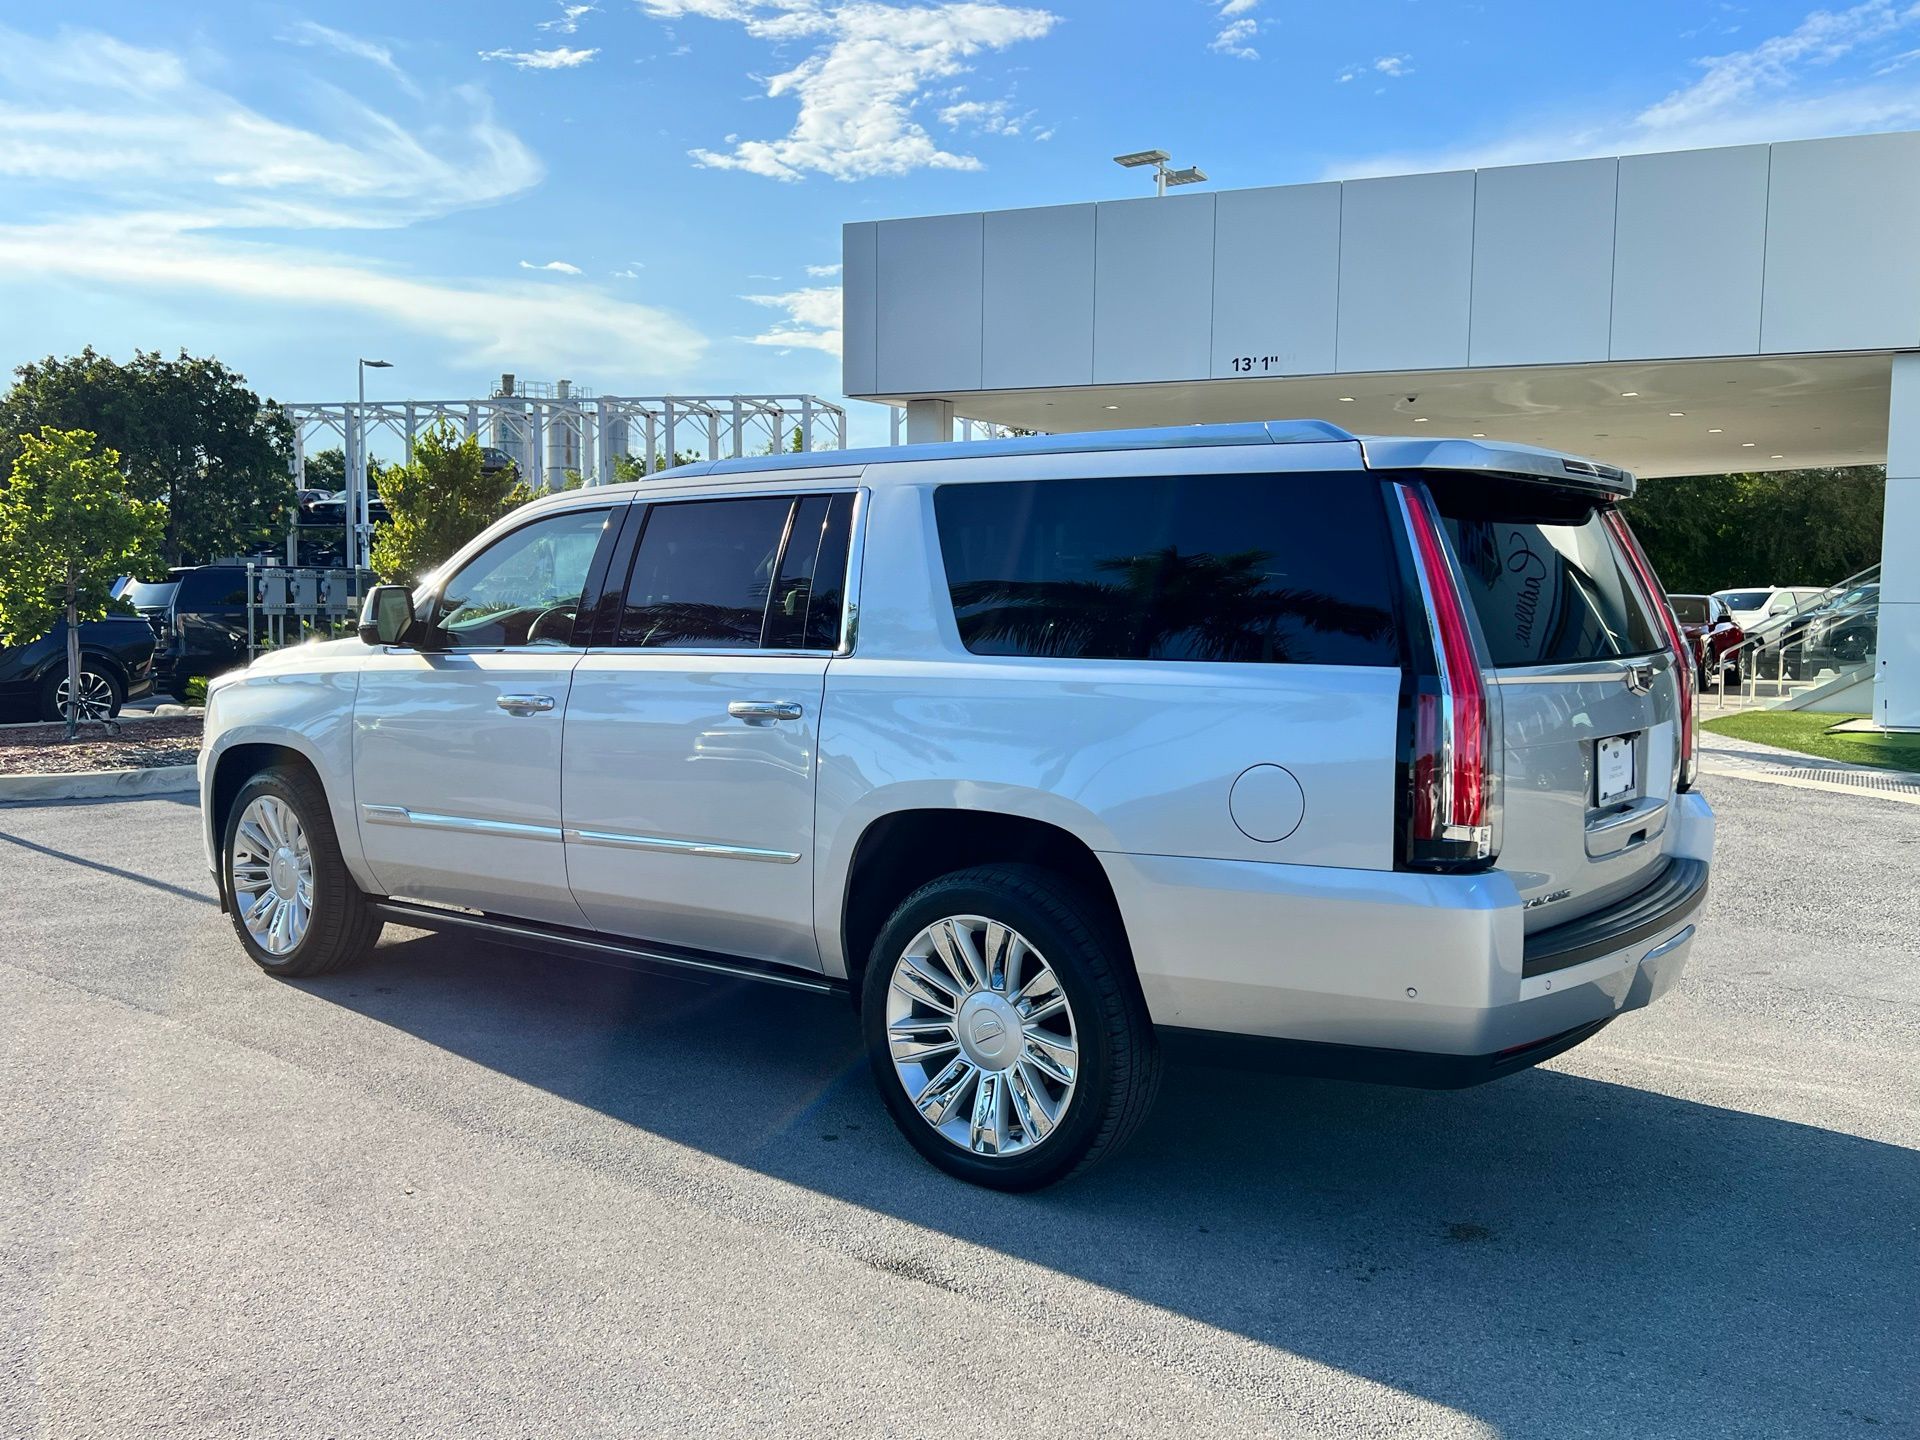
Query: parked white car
[(1357, 757), (1756, 607)]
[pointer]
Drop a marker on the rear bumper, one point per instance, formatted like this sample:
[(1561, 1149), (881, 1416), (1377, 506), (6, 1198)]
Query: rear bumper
[(1419, 979)]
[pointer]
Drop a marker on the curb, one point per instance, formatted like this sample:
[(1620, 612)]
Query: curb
[(100, 784)]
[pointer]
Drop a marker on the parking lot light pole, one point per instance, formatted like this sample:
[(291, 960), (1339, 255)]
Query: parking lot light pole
[(356, 506)]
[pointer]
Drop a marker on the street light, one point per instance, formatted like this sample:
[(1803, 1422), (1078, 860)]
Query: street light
[(356, 506), (1162, 176)]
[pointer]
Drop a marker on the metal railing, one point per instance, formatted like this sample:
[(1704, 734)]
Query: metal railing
[(1834, 633)]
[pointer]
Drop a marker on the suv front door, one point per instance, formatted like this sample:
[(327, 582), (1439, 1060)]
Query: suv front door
[(456, 746), (692, 734)]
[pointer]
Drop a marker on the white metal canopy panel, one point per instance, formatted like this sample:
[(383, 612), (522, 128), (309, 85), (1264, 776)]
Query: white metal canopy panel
[(1663, 418)]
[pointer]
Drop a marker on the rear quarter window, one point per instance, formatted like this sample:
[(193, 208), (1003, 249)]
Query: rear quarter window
[(1275, 569)]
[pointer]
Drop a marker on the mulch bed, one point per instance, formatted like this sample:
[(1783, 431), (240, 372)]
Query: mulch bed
[(140, 745)]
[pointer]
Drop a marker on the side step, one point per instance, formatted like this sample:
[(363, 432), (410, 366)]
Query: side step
[(604, 949)]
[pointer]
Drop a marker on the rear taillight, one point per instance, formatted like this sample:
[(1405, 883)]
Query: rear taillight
[(1683, 659), (1448, 764)]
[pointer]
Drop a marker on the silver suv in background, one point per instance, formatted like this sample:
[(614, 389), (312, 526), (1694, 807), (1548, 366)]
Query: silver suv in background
[(1365, 757)]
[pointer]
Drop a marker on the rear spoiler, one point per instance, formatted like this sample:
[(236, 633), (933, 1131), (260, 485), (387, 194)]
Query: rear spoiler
[(1521, 462)]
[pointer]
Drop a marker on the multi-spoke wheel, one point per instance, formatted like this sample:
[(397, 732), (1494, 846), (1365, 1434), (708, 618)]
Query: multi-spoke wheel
[(295, 907), (272, 874), (982, 1035), (99, 693), (1005, 1026)]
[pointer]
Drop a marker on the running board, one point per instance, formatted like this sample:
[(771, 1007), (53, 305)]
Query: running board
[(603, 949)]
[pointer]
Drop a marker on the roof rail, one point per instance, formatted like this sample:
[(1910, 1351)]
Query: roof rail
[(1169, 437)]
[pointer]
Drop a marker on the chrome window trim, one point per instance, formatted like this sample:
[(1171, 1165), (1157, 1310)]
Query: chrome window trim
[(856, 564), (621, 840), (1575, 672)]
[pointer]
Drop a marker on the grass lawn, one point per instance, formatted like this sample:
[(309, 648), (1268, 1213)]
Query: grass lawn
[(1806, 732)]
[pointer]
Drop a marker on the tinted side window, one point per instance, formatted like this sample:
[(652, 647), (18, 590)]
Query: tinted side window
[(807, 600), (213, 590), (702, 573), (524, 588), (1276, 568)]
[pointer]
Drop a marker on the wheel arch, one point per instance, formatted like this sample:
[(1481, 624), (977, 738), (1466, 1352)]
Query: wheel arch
[(900, 850)]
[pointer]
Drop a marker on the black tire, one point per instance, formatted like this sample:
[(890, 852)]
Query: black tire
[(92, 675), (343, 926), (1119, 1059)]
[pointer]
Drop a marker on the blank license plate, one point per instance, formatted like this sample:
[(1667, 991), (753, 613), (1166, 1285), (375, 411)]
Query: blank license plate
[(1613, 767)]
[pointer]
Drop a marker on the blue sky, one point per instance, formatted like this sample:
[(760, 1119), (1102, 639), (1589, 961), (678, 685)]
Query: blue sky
[(644, 195)]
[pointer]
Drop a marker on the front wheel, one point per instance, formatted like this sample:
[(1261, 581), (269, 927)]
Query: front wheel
[(295, 907), (1005, 1028)]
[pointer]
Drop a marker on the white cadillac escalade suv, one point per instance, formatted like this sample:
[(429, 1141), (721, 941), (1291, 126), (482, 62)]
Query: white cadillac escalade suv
[(1368, 757)]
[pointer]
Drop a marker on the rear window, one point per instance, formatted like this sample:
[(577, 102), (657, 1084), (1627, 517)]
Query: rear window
[(149, 594), (1689, 609), (1742, 599), (1247, 568), (1546, 580)]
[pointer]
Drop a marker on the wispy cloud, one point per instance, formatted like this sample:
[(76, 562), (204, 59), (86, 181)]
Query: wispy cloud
[(101, 141), (561, 58), (1238, 26), (811, 321), (310, 32), (986, 117), (823, 272), (568, 20), (1770, 91), (868, 66), (559, 266), (1391, 66)]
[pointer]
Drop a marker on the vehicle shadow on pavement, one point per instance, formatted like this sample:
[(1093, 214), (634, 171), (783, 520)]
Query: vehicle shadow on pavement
[(1549, 1254)]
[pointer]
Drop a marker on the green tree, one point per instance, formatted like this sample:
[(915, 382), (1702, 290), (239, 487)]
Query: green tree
[(326, 469), (68, 530), (439, 502), (188, 431), (1782, 527)]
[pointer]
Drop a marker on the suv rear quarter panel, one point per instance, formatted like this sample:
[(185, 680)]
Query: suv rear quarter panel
[(1131, 757)]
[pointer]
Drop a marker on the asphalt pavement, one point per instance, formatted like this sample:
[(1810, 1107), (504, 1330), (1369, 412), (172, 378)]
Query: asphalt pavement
[(462, 1190)]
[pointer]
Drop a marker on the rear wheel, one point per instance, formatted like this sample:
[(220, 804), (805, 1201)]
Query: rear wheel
[(1005, 1029), (100, 692), (294, 906)]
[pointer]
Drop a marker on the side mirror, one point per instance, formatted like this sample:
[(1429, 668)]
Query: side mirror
[(387, 616)]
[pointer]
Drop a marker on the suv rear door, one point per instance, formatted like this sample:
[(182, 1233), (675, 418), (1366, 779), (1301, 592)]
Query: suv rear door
[(693, 725), (1588, 692)]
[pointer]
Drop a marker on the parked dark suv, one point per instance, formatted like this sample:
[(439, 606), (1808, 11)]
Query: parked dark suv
[(199, 617), (116, 665)]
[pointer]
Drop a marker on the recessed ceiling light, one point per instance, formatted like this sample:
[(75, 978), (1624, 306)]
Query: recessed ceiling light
[(1715, 431), (1746, 444), (1479, 434), (1346, 399), (1676, 414), (1113, 407), (1776, 457), (1419, 419), (1629, 394)]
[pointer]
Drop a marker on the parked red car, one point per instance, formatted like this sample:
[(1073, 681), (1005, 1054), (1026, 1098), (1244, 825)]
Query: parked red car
[(1711, 630)]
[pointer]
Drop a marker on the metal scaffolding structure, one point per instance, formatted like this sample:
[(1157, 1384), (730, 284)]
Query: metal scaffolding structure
[(553, 430)]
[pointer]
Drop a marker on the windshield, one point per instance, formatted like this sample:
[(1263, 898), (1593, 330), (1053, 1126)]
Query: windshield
[(1742, 599), (1689, 609)]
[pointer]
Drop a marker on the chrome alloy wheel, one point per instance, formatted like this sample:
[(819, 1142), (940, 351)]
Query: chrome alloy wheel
[(96, 696), (272, 871), (982, 1036)]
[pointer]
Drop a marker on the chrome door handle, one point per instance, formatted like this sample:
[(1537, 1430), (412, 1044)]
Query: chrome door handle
[(525, 704), (764, 709)]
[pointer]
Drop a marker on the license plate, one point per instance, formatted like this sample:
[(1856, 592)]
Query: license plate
[(1613, 767)]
